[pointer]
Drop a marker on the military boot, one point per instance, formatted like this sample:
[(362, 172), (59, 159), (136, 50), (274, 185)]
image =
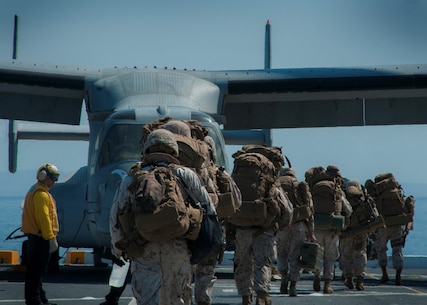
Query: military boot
[(359, 283), (349, 282), (316, 282), (327, 288), (284, 283), (263, 298), (398, 277), (247, 299), (384, 278), (293, 289)]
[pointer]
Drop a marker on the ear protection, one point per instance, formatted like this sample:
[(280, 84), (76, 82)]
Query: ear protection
[(47, 170), (42, 173)]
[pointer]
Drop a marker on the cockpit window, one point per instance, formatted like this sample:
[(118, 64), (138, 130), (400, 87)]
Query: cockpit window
[(121, 143)]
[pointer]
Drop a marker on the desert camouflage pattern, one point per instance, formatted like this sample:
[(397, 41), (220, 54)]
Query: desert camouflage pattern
[(289, 242), (162, 275), (252, 260), (204, 280), (121, 198), (329, 240), (394, 234), (353, 255)]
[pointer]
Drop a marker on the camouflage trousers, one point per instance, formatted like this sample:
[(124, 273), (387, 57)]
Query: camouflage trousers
[(329, 240), (162, 274), (289, 245), (204, 279), (394, 234), (252, 260), (353, 255)]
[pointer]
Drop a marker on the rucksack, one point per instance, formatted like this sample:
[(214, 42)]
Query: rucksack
[(327, 195), (254, 174), (131, 241), (229, 197), (192, 152), (365, 217), (161, 210), (325, 191), (298, 193), (273, 153), (391, 201)]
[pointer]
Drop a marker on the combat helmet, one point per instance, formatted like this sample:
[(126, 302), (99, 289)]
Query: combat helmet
[(161, 140)]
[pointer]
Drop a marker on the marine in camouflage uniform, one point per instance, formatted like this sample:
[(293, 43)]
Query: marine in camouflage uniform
[(289, 242), (396, 234), (329, 240), (353, 256), (253, 257), (204, 272), (161, 274)]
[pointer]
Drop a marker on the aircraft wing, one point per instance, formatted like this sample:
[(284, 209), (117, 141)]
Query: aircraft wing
[(249, 99), (42, 93), (323, 97)]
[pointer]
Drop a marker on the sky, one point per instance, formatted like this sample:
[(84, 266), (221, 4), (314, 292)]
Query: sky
[(229, 35)]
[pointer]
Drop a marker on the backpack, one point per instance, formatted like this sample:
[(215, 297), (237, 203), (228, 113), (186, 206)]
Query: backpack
[(131, 242), (254, 174), (161, 210), (365, 217), (391, 201), (192, 152), (229, 197), (273, 153), (299, 195), (326, 194), (325, 191)]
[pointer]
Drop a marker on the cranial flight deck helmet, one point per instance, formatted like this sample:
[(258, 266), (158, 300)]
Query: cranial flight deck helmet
[(47, 170)]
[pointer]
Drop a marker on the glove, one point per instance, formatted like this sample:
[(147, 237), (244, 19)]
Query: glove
[(53, 245), (117, 261)]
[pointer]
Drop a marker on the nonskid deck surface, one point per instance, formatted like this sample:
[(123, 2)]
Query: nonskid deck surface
[(87, 285)]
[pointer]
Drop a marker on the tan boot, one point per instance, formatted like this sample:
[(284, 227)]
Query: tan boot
[(349, 282), (263, 298), (359, 283), (327, 288), (316, 282), (398, 278), (284, 283), (293, 289), (247, 299)]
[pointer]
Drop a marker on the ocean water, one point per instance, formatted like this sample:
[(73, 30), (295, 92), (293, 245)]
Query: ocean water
[(10, 219)]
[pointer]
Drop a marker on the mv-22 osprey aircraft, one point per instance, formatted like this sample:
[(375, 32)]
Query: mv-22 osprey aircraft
[(237, 107)]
